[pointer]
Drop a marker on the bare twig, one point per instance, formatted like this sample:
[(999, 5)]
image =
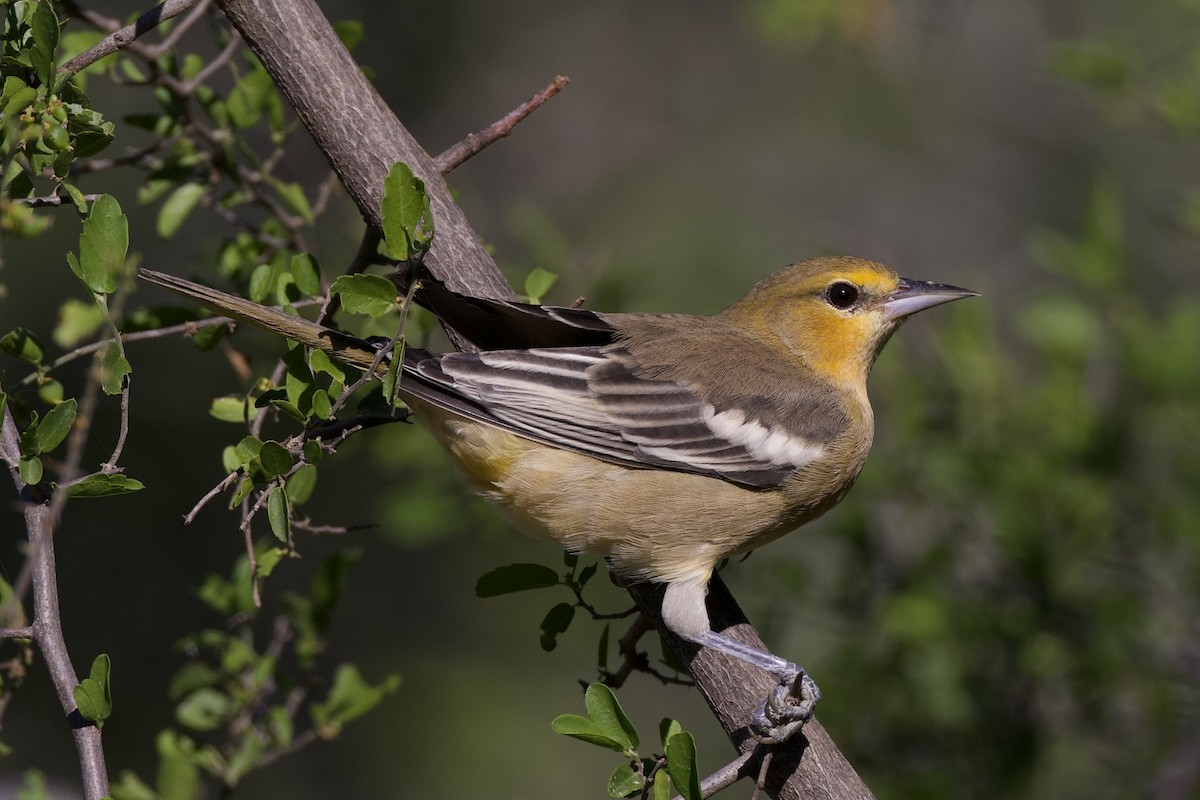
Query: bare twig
[(17, 633), (305, 525), (51, 200), (726, 776), (122, 37), (47, 632), (224, 484), (764, 769), (474, 142), (123, 433)]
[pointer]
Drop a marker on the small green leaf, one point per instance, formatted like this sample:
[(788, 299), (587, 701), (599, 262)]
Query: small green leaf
[(365, 294), (203, 710), (351, 697), (30, 470), (322, 403), (300, 486), (232, 408), (681, 765), (606, 712), (177, 207), (277, 514), (55, 426), (662, 786), (24, 345), (556, 621), (293, 195), (391, 379), (667, 728), (113, 369), (298, 381), (407, 218), (105, 485), (103, 244), (585, 730), (77, 198), (94, 695), (320, 362), (44, 27), (242, 492), (247, 449), (130, 787), (515, 578), (624, 781), (306, 274), (178, 773), (77, 321), (538, 282), (268, 559), (275, 458), (245, 758)]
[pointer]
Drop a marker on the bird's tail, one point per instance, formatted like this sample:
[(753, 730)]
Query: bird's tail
[(348, 349)]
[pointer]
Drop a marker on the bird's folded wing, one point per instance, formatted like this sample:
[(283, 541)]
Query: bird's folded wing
[(505, 324), (592, 400)]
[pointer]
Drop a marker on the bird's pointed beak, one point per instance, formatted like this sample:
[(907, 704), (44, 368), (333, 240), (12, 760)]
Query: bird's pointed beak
[(911, 296)]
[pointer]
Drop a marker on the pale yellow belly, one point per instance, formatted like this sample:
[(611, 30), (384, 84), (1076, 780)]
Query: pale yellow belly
[(653, 524)]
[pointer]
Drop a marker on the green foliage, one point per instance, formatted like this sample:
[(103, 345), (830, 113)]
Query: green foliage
[(538, 283), (237, 700), (526, 577), (365, 294), (105, 485), (102, 247), (515, 578), (606, 725), (407, 218), (349, 698), (93, 695)]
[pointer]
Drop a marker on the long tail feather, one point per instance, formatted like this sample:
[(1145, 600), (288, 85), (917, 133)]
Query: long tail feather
[(346, 348)]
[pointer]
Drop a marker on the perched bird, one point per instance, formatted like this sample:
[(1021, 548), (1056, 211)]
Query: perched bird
[(663, 442)]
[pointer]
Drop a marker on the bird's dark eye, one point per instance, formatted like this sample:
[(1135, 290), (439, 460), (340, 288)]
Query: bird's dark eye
[(842, 294)]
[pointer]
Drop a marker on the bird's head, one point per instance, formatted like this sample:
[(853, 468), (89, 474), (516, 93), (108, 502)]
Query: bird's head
[(836, 314)]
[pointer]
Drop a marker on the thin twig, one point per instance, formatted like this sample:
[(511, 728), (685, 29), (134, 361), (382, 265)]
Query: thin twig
[(474, 142), (51, 200), (48, 633), (17, 633), (727, 775), (123, 37), (169, 41), (305, 525), (123, 433), (188, 88), (760, 783), (225, 483)]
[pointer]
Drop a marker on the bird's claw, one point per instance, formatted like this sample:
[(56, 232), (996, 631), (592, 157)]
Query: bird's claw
[(789, 705)]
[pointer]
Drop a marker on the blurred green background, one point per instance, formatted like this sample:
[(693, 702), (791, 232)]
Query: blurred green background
[(1005, 606)]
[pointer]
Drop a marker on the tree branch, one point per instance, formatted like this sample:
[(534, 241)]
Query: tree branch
[(362, 139), (46, 629), (123, 37), (457, 154)]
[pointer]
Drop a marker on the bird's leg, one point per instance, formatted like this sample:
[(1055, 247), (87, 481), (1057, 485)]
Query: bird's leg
[(789, 705)]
